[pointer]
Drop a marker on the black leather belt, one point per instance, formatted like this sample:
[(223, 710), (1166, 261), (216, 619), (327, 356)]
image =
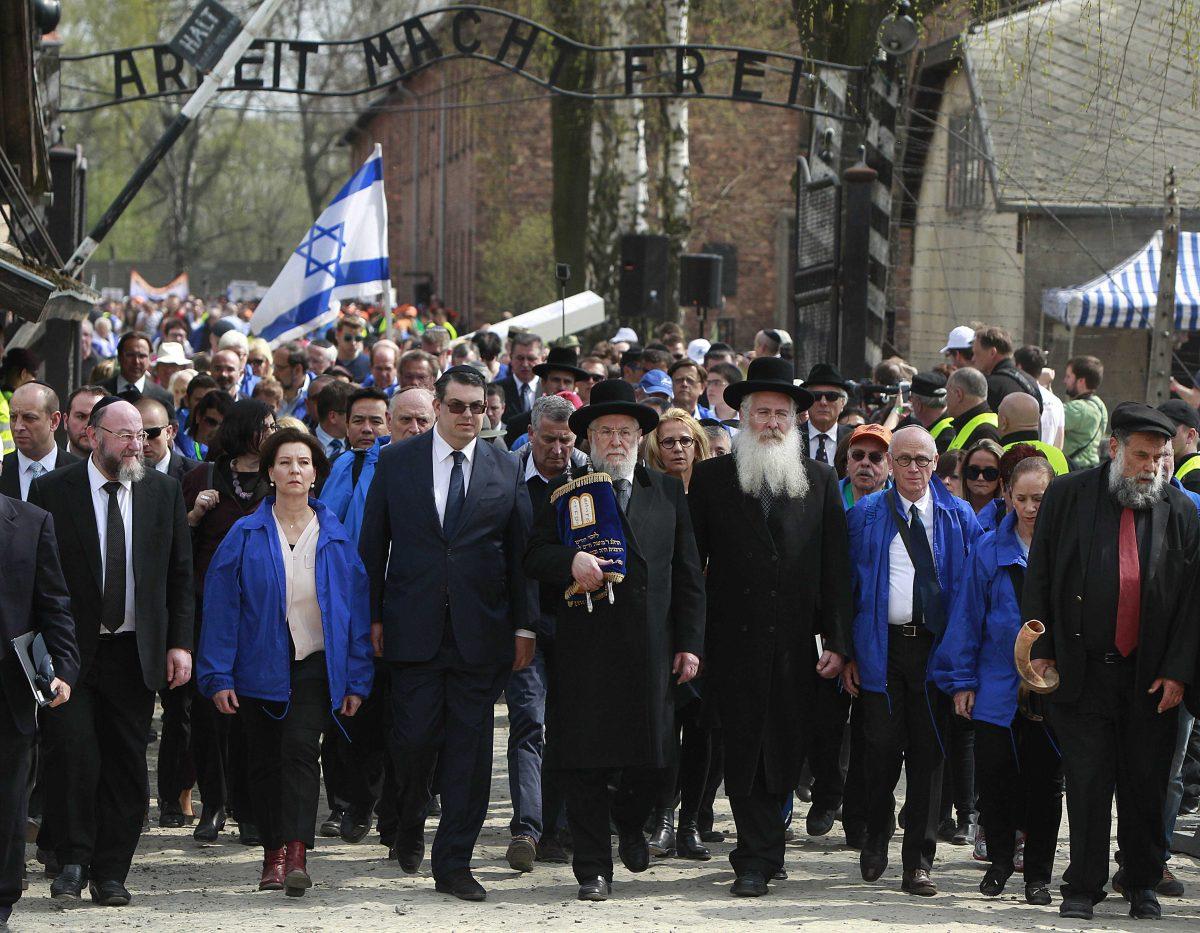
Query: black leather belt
[(911, 631)]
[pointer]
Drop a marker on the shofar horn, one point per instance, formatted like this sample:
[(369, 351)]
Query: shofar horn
[(1030, 632)]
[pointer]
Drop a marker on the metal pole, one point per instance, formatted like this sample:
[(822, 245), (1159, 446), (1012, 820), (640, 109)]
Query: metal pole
[(1162, 336), (191, 109)]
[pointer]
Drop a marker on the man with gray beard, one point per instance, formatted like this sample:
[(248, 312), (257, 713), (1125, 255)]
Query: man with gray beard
[(1112, 575), (772, 531), (126, 553)]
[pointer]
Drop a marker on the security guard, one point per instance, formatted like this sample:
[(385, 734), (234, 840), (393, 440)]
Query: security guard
[(966, 402), (1019, 422), (927, 404), (1186, 441)]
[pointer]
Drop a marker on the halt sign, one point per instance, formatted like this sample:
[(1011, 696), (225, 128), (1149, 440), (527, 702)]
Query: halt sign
[(207, 33)]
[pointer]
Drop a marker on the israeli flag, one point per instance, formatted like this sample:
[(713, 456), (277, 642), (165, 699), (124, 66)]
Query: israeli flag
[(343, 255)]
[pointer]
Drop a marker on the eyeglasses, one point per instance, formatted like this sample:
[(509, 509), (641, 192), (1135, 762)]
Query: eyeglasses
[(669, 443), (270, 427), (257, 361), (595, 377), (125, 437), (905, 461), (152, 433), (875, 456), (351, 338), (458, 406), (828, 396), (607, 434), (991, 474)]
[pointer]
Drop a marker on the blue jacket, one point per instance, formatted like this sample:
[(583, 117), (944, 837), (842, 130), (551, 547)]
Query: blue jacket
[(992, 514), (345, 500), (1195, 497), (977, 650), (955, 531), (846, 491), (244, 638)]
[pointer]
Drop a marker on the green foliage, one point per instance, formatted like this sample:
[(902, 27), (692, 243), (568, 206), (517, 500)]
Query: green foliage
[(516, 272)]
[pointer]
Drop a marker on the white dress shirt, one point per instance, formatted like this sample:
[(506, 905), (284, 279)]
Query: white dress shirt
[(25, 469), (443, 465), (814, 441), (901, 573), (327, 439), (1054, 416), (300, 588), (123, 384), (533, 391), (96, 480), (164, 463)]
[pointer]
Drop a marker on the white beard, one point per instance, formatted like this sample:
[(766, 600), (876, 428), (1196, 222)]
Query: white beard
[(620, 470), (131, 472), (1128, 492), (775, 468)]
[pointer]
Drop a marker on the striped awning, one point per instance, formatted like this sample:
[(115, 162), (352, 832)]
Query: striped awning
[(1126, 296)]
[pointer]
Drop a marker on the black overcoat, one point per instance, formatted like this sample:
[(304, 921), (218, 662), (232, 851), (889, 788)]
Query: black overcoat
[(1169, 636), (610, 702), (770, 588)]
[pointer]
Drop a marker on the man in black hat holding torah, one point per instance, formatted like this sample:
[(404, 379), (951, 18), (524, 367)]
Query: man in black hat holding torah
[(772, 530), (610, 705), (1112, 576)]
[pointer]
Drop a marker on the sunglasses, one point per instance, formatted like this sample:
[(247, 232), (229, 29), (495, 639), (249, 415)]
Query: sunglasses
[(595, 377), (828, 396), (875, 456), (152, 433), (211, 421), (991, 474), (458, 406), (669, 443)]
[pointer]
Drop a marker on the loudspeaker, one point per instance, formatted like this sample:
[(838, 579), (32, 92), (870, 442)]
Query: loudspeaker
[(68, 209), (643, 280), (729, 270), (700, 280), (422, 293)]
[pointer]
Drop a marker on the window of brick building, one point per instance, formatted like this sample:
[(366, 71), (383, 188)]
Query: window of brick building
[(966, 168)]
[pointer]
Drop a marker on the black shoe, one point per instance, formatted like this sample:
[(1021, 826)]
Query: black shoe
[(462, 884), (1188, 805), (68, 886), (662, 836), (598, 889), (1143, 904), (962, 830), (1075, 907), (819, 821), (5, 913), (946, 830), (1170, 886), (688, 844), (172, 819), (749, 884), (409, 851), (919, 883), (521, 854), (248, 834), (780, 875), (873, 859), (804, 792), (332, 827), (633, 850), (855, 836), (549, 849), (1037, 894), (994, 881), (210, 825), (109, 893), (711, 835), (355, 827)]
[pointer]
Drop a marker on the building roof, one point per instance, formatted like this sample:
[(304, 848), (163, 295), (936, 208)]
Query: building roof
[(1086, 104)]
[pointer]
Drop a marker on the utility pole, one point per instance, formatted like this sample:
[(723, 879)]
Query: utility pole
[(1162, 334)]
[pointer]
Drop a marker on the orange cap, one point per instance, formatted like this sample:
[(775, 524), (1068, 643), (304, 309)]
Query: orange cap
[(875, 431)]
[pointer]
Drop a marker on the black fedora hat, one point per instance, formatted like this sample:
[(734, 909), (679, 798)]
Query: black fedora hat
[(826, 374), (613, 397), (564, 359), (768, 374)]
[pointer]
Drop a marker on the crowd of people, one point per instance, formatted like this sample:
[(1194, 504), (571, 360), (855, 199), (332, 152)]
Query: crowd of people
[(328, 560)]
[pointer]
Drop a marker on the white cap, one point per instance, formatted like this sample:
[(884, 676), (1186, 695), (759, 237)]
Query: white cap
[(624, 335), (172, 354), (696, 350), (961, 338)]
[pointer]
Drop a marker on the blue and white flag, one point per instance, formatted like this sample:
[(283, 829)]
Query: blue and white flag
[(343, 255)]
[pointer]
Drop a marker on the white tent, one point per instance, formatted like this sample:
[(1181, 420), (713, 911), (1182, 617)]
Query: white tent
[(582, 311)]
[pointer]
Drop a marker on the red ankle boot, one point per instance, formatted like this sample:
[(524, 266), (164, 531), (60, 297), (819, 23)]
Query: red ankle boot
[(296, 879), (272, 870)]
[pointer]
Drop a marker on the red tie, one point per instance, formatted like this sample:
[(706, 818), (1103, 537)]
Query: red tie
[(1129, 601)]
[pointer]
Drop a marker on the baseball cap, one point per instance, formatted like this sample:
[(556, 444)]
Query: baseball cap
[(624, 335), (961, 338), (656, 382), (696, 350), (874, 431), (1181, 413)]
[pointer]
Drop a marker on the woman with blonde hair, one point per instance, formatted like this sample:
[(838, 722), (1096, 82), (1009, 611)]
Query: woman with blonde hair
[(676, 445)]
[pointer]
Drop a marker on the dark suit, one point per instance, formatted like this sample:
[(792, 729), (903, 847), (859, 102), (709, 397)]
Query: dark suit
[(179, 465), (512, 396), (96, 744), (449, 610), (151, 389), (33, 598), (10, 480), (773, 583), (611, 704), (1111, 735)]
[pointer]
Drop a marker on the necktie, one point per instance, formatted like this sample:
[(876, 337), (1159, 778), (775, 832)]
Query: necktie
[(335, 448), (112, 604), (822, 454), (454, 497), (360, 457), (1129, 600), (624, 489), (927, 607), (36, 469), (526, 397)]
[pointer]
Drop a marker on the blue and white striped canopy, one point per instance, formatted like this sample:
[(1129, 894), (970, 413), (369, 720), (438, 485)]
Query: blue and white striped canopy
[(1125, 297)]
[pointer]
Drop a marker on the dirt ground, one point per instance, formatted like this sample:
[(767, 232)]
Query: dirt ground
[(180, 886)]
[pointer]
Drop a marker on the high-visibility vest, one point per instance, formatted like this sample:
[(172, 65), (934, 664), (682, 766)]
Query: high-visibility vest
[(1058, 460), (1192, 464), (940, 426), (960, 439), (6, 439)]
